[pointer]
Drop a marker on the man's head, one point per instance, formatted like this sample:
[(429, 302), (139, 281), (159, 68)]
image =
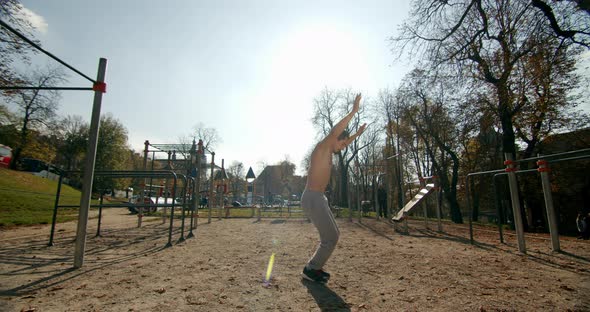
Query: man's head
[(340, 143)]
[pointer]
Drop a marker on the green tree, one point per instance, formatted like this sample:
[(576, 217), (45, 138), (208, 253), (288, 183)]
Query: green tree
[(73, 139), (112, 152), (8, 128)]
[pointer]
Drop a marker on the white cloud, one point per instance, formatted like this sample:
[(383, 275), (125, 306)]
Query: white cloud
[(35, 19)]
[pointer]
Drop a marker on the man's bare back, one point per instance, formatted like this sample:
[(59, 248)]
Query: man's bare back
[(320, 167)]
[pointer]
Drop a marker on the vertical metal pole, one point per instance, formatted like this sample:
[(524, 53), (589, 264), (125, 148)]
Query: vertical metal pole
[(553, 230), (151, 189), (169, 244), (425, 208), (99, 213), (470, 213), (510, 168), (438, 203), (498, 209), (166, 185), (200, 153), (211, 197), (182, 217), (142, 196), (193, 208), (221, 197), (54, 219), (89, 169)]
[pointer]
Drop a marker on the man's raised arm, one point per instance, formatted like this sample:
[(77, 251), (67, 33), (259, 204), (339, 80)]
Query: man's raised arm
[(341, 125)]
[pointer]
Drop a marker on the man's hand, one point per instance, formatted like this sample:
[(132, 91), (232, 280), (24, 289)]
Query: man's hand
[(359, 132), (362, 129), (357, 102)]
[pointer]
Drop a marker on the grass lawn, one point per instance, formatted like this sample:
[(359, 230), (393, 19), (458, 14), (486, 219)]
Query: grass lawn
[(28, 199)]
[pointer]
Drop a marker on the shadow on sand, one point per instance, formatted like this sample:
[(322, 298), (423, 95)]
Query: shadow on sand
[(49, 266), (326, 299)]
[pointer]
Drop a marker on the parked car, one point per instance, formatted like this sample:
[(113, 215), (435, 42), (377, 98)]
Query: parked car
[(5, 155), (150, 203)]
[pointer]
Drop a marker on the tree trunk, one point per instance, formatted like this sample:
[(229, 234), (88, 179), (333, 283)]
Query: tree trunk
[(343, 202)]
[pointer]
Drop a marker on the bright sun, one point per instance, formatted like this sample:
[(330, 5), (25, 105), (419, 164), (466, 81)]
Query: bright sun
[(320, 55)]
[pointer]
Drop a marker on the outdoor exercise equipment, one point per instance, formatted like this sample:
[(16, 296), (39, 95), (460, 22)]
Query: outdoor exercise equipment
[(99, 87), (511, 170), (134, 174)]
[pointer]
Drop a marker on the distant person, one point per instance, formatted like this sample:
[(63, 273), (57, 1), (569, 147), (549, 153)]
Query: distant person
[(313, 200), (382, 199), (583, 223)]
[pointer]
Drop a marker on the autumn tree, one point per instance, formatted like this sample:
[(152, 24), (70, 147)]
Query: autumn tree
[(487, 40), (548, 81)]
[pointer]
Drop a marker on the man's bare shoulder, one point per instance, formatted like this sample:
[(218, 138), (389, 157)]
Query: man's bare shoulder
[(324, 144)]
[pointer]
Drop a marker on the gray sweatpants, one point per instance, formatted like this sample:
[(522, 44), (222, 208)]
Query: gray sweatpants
[(315, 205)]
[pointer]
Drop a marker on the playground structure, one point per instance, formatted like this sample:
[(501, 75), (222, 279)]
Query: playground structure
[(186, 184)]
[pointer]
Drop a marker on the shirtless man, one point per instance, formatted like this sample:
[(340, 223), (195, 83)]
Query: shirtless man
[(313, 201)]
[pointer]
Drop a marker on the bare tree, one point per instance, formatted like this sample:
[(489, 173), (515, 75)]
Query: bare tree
[(391, 107), (329, 108), (210, 136), (237, 183), (547, 80), (437, 128), (36, 107)]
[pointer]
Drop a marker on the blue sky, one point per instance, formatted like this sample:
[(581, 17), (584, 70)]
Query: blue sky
[(249, 69)]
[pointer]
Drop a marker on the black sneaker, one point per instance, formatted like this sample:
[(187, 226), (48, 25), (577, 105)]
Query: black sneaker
[(318, 276), (325, 274)]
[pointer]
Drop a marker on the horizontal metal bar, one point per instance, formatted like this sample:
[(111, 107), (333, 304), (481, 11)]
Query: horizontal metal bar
[(569, 158), (48, 88), (485, 172), (36, 46), (585, 150)]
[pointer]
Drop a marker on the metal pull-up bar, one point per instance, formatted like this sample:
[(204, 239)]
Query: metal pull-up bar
[(99, 87), (38, 47)]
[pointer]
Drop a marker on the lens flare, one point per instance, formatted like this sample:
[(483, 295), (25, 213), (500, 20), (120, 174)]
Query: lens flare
[(271, 262)]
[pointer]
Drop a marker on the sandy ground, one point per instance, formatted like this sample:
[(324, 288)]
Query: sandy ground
[(222, 268)]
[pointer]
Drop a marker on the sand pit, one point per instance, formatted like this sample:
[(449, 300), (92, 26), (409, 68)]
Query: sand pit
[(223, 267)]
